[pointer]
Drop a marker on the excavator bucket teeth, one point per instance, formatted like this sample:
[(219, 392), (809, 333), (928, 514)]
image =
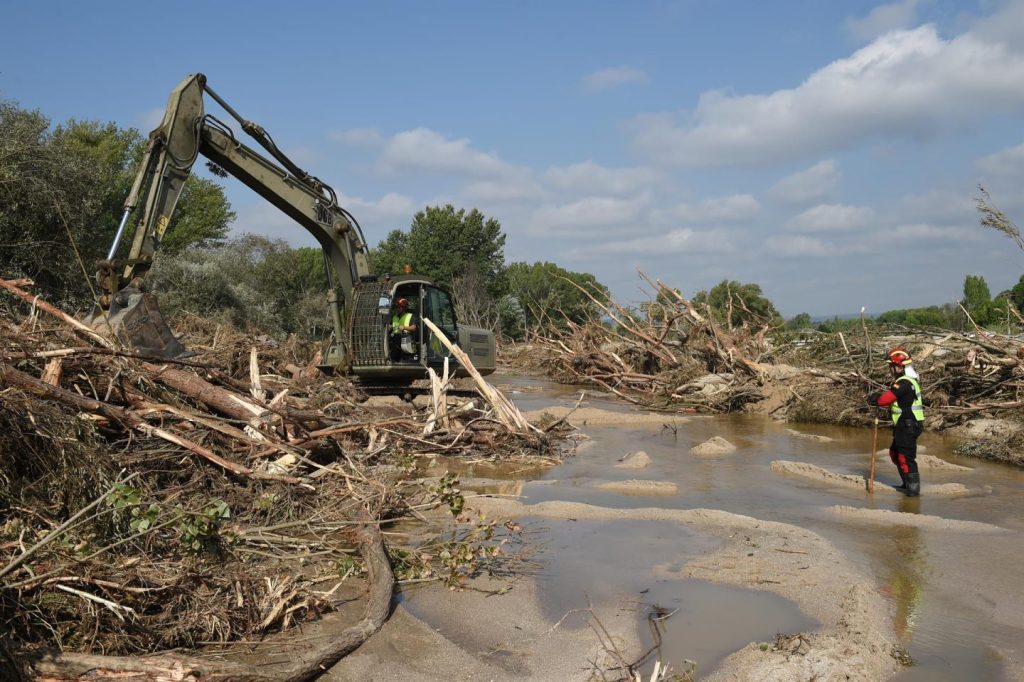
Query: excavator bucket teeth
[(139, 325)]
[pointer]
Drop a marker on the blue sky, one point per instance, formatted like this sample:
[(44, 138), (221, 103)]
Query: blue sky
[(829, 151)]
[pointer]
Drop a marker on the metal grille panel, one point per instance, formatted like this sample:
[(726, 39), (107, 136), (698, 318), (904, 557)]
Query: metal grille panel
[(367, 330)]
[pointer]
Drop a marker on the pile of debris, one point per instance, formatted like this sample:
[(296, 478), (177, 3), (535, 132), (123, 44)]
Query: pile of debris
[(149, 504), (668, 354)]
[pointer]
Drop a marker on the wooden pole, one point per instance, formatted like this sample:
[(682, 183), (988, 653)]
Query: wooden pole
[(874, 449)]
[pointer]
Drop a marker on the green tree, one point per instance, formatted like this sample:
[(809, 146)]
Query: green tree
[(61, 192), (549, 296), (442, 243), (836, 325), (737, 304), (976, 292), (931, 316), (52, 195), (1016, 294), (977, 299), (799, 321), (253, 281), (203, 217)]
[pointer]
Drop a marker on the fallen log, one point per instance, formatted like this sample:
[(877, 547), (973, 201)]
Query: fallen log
[(225, 402), (77, 326)]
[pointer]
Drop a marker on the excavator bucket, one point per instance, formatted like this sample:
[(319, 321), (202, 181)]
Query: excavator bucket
[(137, 324)]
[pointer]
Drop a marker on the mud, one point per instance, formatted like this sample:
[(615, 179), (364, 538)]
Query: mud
[(809, 436), (888, 518), (929, 462), (635, 460), (638, 487), (865, 576), (812, 472), (467, 640), (594, 416), (712, 447)]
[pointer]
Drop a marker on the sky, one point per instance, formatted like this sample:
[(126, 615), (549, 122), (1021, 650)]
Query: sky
[(830, 152)]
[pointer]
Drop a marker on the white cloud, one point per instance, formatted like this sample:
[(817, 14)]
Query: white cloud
[(954, 205), (732, 208), (882, 20), (591, 178), (263, 218), (591, 215), (606, 79), (358, 137), (678, 241), (798, 246), (814, 184), (832, 218), (423, 149), (304, 156), (1008, 162), (924, 232), (389, 207), (905, 83), (506, 190)]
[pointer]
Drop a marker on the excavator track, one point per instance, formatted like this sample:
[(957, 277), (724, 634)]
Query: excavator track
[(409, 393)]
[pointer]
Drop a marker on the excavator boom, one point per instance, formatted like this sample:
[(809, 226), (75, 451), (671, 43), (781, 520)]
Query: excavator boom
[(361, 343), (185, 133)]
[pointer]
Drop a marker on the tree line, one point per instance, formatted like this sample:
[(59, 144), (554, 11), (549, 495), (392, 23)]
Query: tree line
[(62, 188)]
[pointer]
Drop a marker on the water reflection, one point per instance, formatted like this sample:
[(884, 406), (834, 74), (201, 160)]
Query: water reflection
[(905, 583)]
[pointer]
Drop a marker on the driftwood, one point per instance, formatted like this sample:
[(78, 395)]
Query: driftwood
[(671, 356), (305, 665), (75, 325), (120, 537), (506, 411), (114, 413)]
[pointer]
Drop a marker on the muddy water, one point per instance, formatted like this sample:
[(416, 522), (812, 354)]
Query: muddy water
[(955, 595)]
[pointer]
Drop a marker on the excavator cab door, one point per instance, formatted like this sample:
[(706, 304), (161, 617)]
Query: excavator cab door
[(441, 311)]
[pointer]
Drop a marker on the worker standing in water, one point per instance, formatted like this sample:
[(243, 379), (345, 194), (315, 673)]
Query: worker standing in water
[(907, 409)]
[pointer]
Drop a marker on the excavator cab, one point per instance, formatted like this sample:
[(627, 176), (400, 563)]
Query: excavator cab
[(379, 354)]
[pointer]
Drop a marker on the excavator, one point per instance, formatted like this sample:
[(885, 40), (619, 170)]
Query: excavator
[(362, 344)]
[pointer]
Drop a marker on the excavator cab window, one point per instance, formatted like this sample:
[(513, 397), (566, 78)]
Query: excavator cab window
[(441, 312)]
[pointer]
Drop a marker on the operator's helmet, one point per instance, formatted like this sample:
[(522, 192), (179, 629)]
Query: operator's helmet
[(402, 301), (899, 357)]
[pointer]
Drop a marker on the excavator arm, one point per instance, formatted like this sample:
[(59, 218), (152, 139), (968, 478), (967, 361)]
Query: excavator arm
[(185, 133)]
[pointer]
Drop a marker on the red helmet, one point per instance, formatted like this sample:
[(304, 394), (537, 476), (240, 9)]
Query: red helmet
[(899, 357), (402, 301)]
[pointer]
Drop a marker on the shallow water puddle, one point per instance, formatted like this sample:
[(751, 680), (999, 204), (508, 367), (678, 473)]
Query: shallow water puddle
[(601, 560), (713, 621)]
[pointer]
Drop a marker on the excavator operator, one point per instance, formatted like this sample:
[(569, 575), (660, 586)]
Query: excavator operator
[(403, 327)]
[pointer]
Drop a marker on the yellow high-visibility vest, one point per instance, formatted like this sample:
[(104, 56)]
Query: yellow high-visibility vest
[(917, 408), (400, 320)]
